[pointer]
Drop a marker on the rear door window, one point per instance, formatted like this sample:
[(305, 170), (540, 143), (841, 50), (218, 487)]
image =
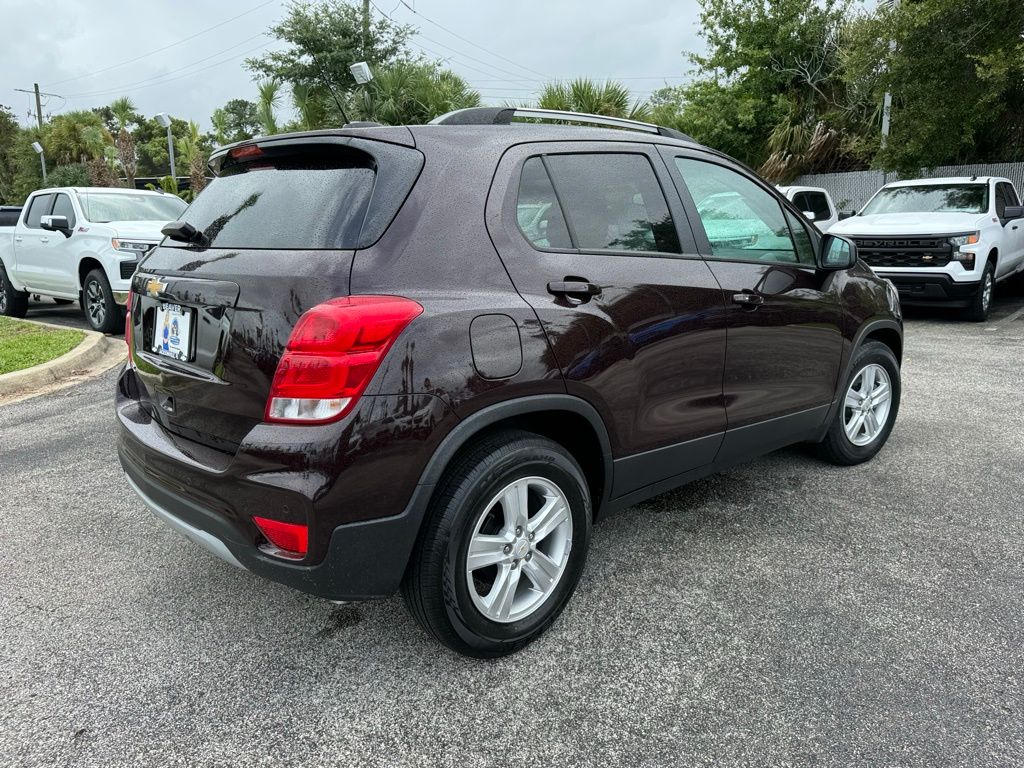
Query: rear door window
[(39, 207), (613, 202), (815, 202), (537, 210)]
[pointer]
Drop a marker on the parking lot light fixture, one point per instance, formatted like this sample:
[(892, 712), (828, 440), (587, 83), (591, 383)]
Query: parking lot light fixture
[(42, 157), (361, 72), (165, 120)]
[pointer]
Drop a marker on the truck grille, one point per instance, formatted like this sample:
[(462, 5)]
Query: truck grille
[(904, 251), (128, 269)]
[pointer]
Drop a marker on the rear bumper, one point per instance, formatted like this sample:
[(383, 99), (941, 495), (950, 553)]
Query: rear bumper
[(932, 290), (210, 496)]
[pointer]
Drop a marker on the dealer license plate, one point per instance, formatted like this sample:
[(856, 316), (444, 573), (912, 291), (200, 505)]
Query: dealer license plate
[(172, 335)]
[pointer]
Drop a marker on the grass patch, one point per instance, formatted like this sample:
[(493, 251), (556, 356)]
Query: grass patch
[(23, 345)]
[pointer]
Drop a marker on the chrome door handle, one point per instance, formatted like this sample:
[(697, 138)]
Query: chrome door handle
[(44, 239), (18, 239), (748, 300)]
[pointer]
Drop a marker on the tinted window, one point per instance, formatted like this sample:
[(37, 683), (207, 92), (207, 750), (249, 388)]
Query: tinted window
[(38, 207), (815, 202), (742, 220), (1000, 201), (103, 207), (930, 198), (537, 210), (9, 216), (1011, 194), (63, 207), (613, 202), (312, 197)]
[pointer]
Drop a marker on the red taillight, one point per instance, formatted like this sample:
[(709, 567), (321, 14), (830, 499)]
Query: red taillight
[(250, 150), (332, 354), (128, 324), (291, 538)]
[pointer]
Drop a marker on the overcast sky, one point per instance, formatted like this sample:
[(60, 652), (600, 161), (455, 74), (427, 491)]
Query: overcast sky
[(188, 54)]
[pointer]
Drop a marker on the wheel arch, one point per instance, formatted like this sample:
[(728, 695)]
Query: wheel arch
[(567, 420), (86, 265)]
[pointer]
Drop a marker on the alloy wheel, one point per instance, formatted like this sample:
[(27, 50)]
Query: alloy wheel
[(3, 298), (95, 303), (986, 292), (867, 404), (525, 531)]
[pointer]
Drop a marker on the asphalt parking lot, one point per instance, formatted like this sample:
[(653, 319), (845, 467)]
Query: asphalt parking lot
[(784, 613)]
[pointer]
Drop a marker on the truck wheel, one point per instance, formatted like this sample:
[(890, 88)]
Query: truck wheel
[(502, 547), (981, 303), (867, 412), (12, 303), (102, 312)]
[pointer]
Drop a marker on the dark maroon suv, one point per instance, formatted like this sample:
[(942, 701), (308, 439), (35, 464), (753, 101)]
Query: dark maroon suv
[(429, 358)]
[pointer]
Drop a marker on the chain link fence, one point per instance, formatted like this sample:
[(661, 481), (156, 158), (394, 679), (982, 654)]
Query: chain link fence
[(851, 190)]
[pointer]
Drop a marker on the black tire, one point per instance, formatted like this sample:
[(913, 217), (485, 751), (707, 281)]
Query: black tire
[(12, 303), (977, 311), (837, 447), (436, 587), (63, 302), (101, 311)]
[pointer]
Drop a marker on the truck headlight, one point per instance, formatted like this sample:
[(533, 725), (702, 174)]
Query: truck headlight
[(966, 258), (129, 246), (968, 238)]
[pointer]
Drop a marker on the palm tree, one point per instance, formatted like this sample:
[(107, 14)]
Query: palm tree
[(584, 95), (191, 151), (124, 113), (309, 103), (412, 92), (269, 101)]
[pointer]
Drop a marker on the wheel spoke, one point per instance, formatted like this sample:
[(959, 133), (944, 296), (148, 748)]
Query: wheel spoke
[(551, 515), (867, 380), (541, 570), (486, 550), (503, 592), (514, 505), (852, 400), (881, 393), (854, 425), (870, 424)]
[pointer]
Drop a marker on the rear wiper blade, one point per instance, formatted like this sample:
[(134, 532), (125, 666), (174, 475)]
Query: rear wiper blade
[(183, 232)]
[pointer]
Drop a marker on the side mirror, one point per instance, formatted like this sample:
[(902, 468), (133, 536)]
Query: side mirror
[(809, 215), (1013, 212), (843, 215), (836, 253), (55, 224)]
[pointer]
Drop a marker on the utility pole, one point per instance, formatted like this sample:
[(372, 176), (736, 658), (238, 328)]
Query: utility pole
[(887, 101), (39, 102), (39, 106), (366, 30)]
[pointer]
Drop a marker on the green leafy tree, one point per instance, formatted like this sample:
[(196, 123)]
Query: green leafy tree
[(323, 40), (193, 157), (414, 92), (9, 133), (235, 121), (71, 175), (311, 104), (955, 69)]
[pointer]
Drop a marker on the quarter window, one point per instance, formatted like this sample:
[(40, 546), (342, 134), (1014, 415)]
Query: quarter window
[(742, 221), (39, 207), (537, 210), (613, 202)]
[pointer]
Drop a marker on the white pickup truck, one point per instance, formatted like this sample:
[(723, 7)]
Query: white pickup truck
[(942, 241), (81, 243)]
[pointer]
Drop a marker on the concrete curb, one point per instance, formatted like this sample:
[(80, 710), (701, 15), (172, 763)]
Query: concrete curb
[(88, 352)]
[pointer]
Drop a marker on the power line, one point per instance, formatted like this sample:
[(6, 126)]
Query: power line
[(128, 86), (170, 45), (470, 42), (467, 56)]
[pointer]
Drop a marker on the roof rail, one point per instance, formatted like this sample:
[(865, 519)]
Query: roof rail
[(504, 115)]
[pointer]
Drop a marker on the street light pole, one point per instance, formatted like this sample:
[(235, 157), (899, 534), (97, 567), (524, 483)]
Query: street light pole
[(165, 120), (42, 157)]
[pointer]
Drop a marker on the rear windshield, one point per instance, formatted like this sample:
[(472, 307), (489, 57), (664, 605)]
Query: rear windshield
[(930, 198), (101, 207), (314, 196)]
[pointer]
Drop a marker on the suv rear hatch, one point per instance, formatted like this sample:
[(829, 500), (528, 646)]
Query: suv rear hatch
[(274, 235)]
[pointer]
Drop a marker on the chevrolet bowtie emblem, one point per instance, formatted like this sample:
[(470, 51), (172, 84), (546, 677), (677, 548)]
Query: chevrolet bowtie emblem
[(154, 287)]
